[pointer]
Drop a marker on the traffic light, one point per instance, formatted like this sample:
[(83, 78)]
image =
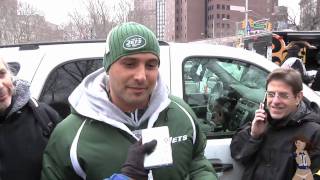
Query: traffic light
[(251, 22), (269, 26), (243, 24)]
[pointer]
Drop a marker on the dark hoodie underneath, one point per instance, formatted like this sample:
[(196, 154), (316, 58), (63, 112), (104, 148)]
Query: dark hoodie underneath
[(271, 157)]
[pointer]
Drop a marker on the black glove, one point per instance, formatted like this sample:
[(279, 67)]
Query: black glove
[(133, 167)]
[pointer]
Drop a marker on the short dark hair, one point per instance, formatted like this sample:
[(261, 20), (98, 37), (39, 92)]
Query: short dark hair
[(289, 76)]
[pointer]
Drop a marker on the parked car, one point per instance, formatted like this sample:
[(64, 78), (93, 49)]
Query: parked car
[(223, 85)]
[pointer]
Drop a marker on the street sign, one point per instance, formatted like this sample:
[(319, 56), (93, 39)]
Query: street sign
[(240, 32), (259, 26)]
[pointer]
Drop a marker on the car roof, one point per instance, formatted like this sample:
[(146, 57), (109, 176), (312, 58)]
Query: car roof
[(59, 52)]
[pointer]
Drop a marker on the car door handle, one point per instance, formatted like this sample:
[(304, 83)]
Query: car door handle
[(221, 167)]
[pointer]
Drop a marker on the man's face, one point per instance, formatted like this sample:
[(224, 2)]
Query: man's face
[(280, 99), (132, 79), (6, 88)]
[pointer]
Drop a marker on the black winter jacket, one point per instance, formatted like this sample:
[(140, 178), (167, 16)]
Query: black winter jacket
[(271, 157), (22, 140)]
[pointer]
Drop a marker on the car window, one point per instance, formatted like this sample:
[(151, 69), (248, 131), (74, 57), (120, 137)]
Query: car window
[(224, 93), (62, 81), (14, 67)]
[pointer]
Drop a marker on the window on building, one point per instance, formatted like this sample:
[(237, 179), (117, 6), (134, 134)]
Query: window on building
[(218, 25), (218, 6), (228, 7), (228, 16), (223, 7), (218, 16), (222, 25), (223, 16)]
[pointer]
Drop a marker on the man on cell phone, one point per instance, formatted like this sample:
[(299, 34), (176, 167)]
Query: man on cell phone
[(111, 107), (266, 146)]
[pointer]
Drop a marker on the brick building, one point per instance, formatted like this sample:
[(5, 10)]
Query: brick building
[(145, 12), (191, 20), (224, 17)]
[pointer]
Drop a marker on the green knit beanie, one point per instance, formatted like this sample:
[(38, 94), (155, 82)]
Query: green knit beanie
[(127, 39)]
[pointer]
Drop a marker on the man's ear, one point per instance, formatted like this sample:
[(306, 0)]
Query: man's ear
[(299, 97)]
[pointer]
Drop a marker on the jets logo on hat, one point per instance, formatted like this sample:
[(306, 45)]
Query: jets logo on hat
[(134, 42)]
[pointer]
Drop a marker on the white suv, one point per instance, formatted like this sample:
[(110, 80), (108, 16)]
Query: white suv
[(223, 85)]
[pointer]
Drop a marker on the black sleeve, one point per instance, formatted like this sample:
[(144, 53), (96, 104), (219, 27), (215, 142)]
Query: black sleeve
[(51, 113), (243, 147), (316, 84), (298, 65)]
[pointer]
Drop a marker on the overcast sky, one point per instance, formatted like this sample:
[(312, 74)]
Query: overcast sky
[(56, 11)]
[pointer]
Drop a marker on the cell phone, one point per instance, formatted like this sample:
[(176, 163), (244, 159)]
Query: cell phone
[(162, 154), (263, 105)]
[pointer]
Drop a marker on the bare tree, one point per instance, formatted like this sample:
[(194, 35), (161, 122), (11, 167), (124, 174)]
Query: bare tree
[(8, 21), (309, 15), (121, 10), (79, 27), (21, 22), (293, 19), (98, 20)]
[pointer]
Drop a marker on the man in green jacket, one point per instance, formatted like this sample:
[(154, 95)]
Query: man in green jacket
[(111, 107)]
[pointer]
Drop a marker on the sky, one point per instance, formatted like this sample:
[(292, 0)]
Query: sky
[(56, 11)]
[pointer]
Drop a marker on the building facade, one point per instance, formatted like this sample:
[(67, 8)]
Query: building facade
[(161, 19), (191, 20), (186, 20), (144, 12), (226, 17), (280, 18)]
